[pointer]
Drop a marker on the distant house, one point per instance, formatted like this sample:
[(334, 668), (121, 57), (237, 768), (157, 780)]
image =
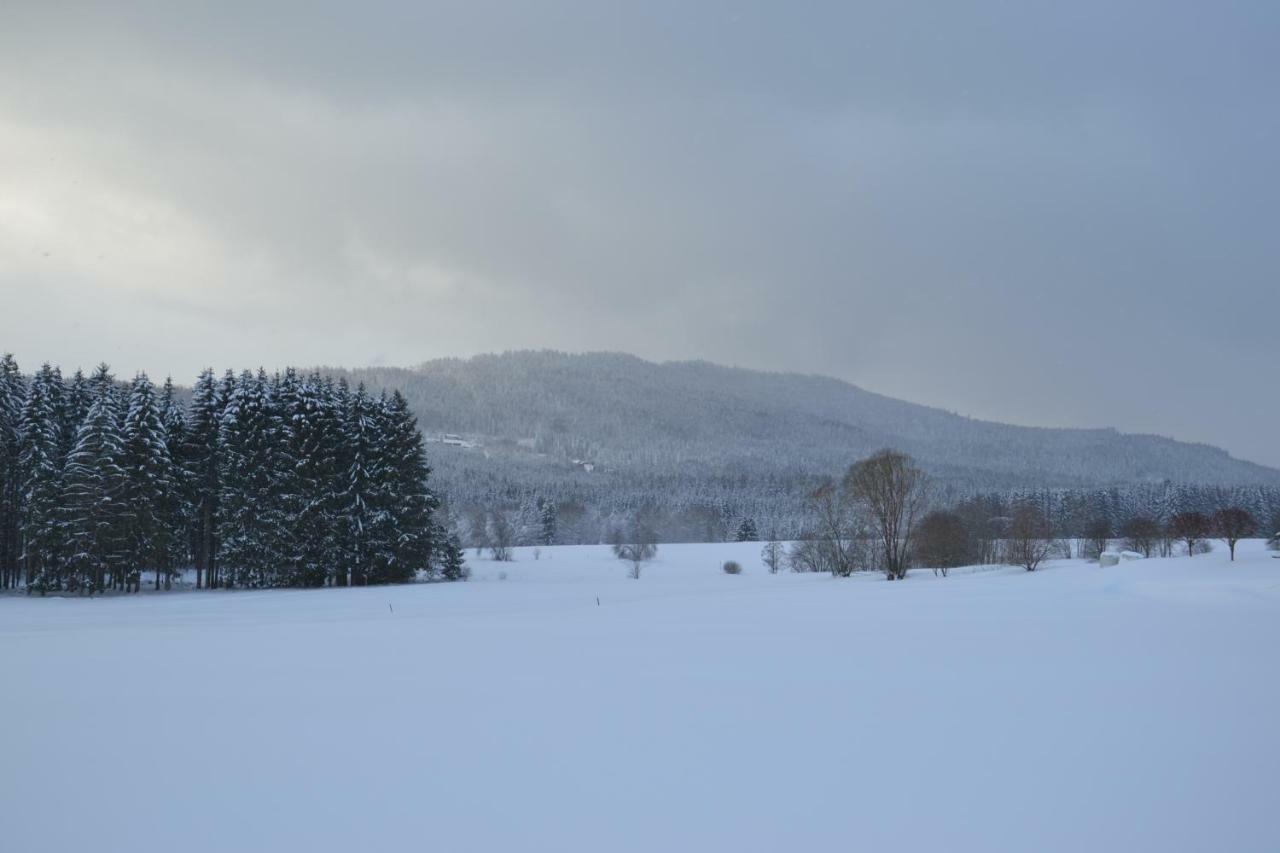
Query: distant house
[(585, 465), (453, 440)]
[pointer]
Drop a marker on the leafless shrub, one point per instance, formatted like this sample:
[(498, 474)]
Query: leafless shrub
[(1029, 539), (1141, 534), (732, 568), (943, 542)]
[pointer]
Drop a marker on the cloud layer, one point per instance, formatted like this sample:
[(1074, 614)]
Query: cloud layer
[(1038, 212)]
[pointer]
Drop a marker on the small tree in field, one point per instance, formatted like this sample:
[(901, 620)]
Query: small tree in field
[(1030, 538), (500, 535), (636, 544), (453, 563), (1191, 528), (1233, 524), (772, 554)]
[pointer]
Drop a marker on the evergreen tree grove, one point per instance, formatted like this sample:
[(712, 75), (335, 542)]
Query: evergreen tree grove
[(255, 482)]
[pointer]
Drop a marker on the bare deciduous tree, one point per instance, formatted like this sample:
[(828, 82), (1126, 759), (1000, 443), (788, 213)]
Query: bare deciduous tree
[(1097, 536), (984, 531), (637, 543), (891, 489), (1192, 528), (500, 535), (943, 542), (772, 555), (1029, 539), (1141, 534), (835, 542), (1233, 524)]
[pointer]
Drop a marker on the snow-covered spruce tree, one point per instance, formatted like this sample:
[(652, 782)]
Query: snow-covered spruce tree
[(93, 509), (103, 381), (150, 487), (13, 394), (410, 503), (40, 470), (548, 517), (200, 459), (322, 470), (75, 407), (747, 531), (304, 479), (177, 509), (247, 519), (364, 506), (382, 534), (452, 559), (340, 542)]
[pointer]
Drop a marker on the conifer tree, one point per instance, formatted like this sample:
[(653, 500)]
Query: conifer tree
[(200, 458), (247, 525), (364, 504), (94, 499), (103, 381), (75, 408), (409, 502), (293, 488), (150, 490), (548, 517), (13, 394), (177, 508), (315, 435), (453, 564), (40, 470), (341, 539)]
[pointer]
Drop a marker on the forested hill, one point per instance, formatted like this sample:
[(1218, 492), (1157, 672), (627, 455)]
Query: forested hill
[(693, 419)]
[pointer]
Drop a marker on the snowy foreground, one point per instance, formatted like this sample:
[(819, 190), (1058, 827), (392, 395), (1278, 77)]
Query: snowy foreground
[(1135, 707)]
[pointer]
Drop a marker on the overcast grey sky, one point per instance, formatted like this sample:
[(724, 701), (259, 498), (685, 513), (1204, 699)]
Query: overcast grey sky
[(1045, 213)]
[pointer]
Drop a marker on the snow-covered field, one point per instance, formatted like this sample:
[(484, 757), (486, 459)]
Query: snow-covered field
[(1135, 707)]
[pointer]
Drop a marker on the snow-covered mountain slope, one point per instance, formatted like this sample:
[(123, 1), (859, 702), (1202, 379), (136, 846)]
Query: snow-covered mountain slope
[(701, 419), (1076, 708)]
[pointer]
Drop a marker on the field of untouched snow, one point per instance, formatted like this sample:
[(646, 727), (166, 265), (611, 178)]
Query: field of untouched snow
[(1135, 707)]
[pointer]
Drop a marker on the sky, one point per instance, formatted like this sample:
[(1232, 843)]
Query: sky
[(1047, 213)]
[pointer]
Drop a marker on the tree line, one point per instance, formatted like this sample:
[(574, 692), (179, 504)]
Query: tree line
[(881, 516), (258, 481), (693, 508)]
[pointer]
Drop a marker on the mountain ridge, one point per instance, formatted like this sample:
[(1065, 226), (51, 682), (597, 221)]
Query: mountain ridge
[(624, 411)]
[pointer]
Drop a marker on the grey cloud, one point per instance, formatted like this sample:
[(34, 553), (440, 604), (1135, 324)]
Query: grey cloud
[(1042, 212)]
